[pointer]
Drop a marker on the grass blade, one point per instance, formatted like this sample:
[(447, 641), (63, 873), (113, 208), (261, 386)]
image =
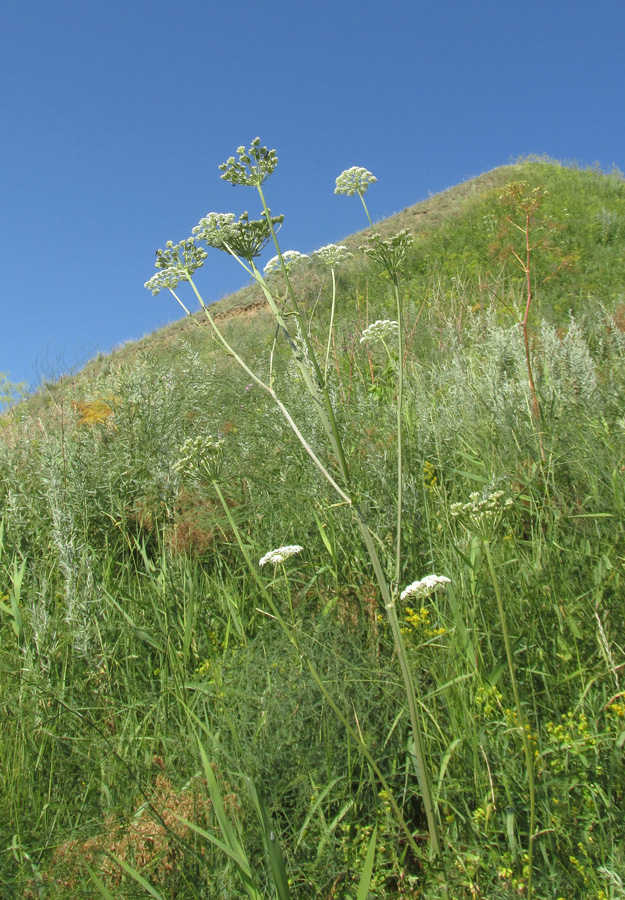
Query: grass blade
[(274, 853), (367, 872), (136, 876)]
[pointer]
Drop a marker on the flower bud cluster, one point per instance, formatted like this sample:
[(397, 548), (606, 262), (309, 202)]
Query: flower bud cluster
[(199, 456), (244, 238), (392, 253), (379, 331), (275, 557), (427, 586), (332, 255), (483, 513), (252, 168), (354, 181), (290, 257), (176, 263)]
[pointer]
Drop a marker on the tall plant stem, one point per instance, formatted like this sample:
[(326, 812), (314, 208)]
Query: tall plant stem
[(366, 210), (328, 417), (292, 424), (420, 760), (530, 377), (400, 391), (325, 368), (519, 710)]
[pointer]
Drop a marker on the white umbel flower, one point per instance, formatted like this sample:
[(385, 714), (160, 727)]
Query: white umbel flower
[(431, 584), (332, 255), (275, 557), (354, 181), (379, 331), (289, 256), (483, 514)]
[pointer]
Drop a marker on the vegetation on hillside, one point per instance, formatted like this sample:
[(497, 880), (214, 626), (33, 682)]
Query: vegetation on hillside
[(182, 722)]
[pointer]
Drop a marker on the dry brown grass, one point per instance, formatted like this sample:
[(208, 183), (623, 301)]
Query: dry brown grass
[(152, 842)]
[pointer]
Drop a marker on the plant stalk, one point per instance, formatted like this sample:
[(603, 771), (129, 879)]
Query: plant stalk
[(524, 738)]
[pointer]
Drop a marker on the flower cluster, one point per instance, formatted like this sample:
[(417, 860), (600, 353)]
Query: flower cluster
[(244, 238), (354, 181), (427, 586), (483, 513), (569, 737), (176, 263), (199, 457), (430, 478), (275, 557), (332, 255), (290, 257), (392, 253), (417, 623), (379, 331), (253, 167)]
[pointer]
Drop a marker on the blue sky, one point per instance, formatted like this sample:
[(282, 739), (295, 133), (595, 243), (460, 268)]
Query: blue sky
[(115, 117)]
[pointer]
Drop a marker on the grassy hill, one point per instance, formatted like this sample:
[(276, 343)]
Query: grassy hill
[(180, 721)]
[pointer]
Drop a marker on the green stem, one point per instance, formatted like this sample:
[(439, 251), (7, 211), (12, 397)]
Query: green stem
[(524, 738), (328, 419), (400, 389), (288, 592), (224, 343), (325, 368), (411, 694), (366, 210)]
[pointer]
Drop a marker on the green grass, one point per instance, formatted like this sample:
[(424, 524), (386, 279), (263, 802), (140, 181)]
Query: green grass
[(136, 628)]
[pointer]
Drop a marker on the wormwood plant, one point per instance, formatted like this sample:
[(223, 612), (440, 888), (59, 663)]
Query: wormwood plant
[(243, 240)]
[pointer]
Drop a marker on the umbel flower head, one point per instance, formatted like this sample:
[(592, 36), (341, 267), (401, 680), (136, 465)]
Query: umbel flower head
[(354, 181), (392, 253), (379, 331), (244, 238), (483, 513), (199, 457), (252, 168), (176, 263), (431, 584), (332, 255), (290, 257), (275, 557)]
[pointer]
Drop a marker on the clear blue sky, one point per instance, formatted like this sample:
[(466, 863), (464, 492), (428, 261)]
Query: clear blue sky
[(115, 116)]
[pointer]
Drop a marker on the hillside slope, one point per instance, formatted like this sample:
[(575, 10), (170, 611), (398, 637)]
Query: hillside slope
[(455, 232), (218, 575)]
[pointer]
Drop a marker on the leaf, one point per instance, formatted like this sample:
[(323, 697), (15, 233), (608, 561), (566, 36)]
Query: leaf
[(367, 872), (139, 632), (313, 809), (444, 764), (231, 845), (274, 853), (136, 876), (461, 630), (99, 884), (14, 611)]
